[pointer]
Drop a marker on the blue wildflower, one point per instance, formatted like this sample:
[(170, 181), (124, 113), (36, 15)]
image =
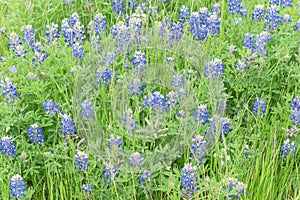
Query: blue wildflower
[(261, 42), (220, 124), (108, 59), (258, 13), (14, 41), (68, 2), (52, 33), (136, 87), (128, 120), (198, 149), (216, 9), (20, 51), (259, 107), (297, 26), (198, 22), (146, 176), (7, 146), (213, 24), (13, 69), (74, 19), (282, 3), (157, 101), (110, 172), (184, 14), (272, 18), (51, 107), (288, 147), (39, 54), (115, 142), (295, 115), (87, 188), (189, 180), (286, 18), (172, 99), (201, 114), (87, 110), (118, 6), (214, 69), (249, 41), (29, 35), (235, 188), (177, 82), (104, 75), (82, 162), (136, 159), (241, 65), (17, 187), (235, 6), (36, 135), (9, 90), (139, 61), (120, 33), (67, 125), (100, 24), (132, 4)]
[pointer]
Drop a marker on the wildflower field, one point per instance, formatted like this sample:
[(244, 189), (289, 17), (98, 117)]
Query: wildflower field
[(161, 99)]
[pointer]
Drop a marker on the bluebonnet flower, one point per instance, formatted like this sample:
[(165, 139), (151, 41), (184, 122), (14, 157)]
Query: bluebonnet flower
[(7, 146), (214, 69), (249, 41), (118, 6), (213, 24), (272, 18), (115, 142), (120, 32), (235, 6), (51, 107), (198, 148), (261, 42), (201, 114), (110, 173), (139, 61), (286, 18), (3, 31), (74, 19), (157, 101), (220, 124), (189, 180), (295, 115), (29, 35), (184, 14), (241, 65), (9, 90), (68, 2), (288, 147), (78, 50), (39, 54), (67, 125), (175, 33), (297, 26), (52, 33), (136, 87), (235, 188), (13, 69), (109, 58), (87, 188), (66, 30), (180, 114), (100, 24), (172, 99), (216, 9), (136, 159), (2, 59), (17, 187), (82, 162), (104, 75), (36, 135), (198, 26), (152, 11), (258, 13), (146, 176), (14, 41), (132, 4), (20, 51), (259, 107), (128, 120), (177, 82), (87, 110), (244, 12), (282, 3)]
